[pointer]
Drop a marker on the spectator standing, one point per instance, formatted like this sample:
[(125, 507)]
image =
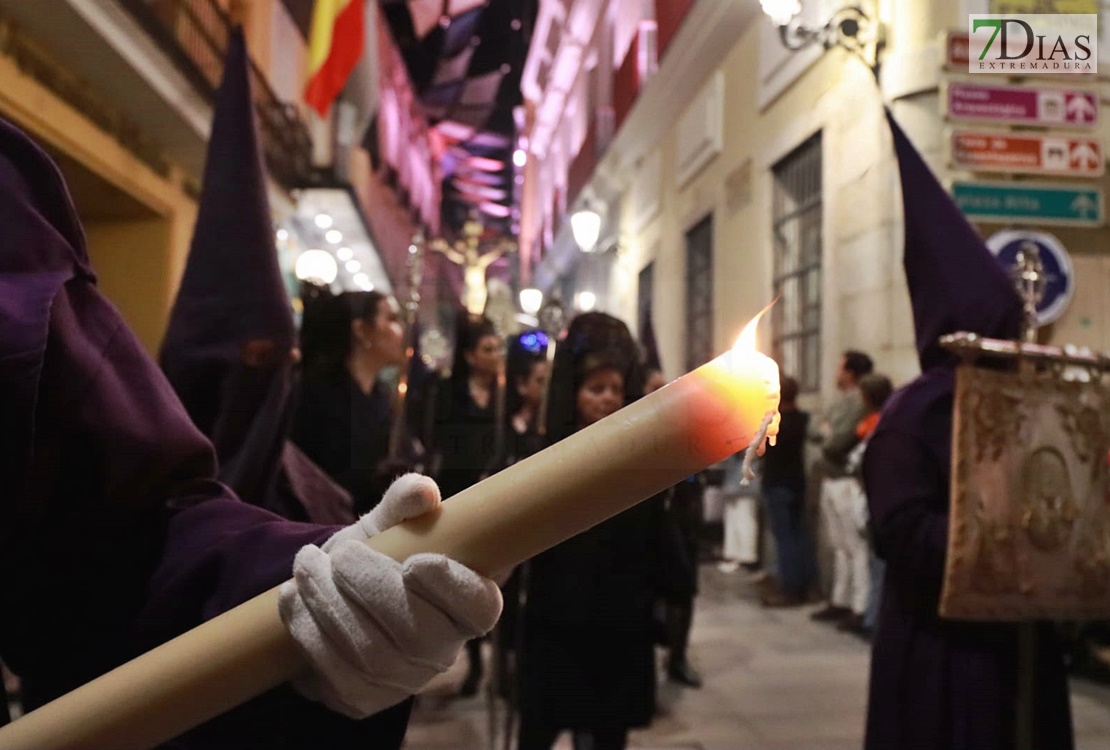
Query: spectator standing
[(874, 390), (784, 485), (836, 435)]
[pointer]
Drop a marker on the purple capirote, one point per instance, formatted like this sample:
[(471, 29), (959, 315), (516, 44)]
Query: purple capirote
[(940, 684)]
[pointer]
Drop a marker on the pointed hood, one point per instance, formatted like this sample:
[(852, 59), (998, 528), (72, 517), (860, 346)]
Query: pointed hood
[(43, 248), (955, 283), (647, 341), (227, 347)]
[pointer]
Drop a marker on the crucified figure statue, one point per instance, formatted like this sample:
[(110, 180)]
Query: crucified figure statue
[(465, 252)]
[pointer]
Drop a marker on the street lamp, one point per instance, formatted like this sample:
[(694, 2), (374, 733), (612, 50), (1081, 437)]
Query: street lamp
[(850, 28), (781, 12), (585, 225)]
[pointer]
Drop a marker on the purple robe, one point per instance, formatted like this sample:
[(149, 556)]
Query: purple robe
[(942, 684), (114, 532)]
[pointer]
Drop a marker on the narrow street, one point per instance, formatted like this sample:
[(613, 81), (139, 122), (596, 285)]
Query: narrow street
[(774, 680)]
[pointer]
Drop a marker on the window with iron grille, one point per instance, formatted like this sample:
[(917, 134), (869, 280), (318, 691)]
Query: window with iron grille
[(699, 294), (796, 227)]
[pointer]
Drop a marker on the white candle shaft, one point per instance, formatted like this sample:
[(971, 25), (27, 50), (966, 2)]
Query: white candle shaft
[(575, 484)]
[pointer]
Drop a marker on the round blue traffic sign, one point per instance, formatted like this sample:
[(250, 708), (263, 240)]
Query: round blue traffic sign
[(1060, 278)]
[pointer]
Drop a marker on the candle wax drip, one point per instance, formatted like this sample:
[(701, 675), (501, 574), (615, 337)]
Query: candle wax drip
[(756, 449)]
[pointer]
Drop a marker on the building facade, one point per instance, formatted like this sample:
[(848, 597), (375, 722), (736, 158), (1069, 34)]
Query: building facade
[(744, 170)]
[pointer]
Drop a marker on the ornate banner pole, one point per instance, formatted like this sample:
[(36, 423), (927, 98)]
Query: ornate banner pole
[(553, 319), (1029, 278), (398, 430)]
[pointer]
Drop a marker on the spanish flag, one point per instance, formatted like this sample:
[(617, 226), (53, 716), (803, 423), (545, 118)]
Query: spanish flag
[(334, 47)]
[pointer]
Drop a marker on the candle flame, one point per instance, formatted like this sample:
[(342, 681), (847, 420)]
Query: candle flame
[(746, 342)]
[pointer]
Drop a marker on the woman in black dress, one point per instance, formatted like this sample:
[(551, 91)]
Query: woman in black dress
[(343, 417), (465, 432), (527, 371), (588, 664)]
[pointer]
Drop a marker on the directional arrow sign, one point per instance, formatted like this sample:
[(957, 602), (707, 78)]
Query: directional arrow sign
[(1080, 108), (1033, 204), (1084, 205), (1022, 104), (1031, 153)]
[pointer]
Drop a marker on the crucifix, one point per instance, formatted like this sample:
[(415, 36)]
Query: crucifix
[(466, 252)]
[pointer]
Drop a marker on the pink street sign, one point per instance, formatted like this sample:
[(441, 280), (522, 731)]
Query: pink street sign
[(1022, 104)]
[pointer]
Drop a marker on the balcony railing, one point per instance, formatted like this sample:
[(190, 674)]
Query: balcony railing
[(194, 33), (71, 88)]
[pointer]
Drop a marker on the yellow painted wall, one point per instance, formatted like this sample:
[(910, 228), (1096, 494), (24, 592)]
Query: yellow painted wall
[(132, 261), (139, 264)]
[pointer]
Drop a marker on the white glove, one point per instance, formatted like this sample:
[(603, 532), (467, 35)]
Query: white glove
[(375, 630)]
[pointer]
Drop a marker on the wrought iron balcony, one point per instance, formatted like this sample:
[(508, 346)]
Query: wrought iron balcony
[(72, 88), (194, 33)]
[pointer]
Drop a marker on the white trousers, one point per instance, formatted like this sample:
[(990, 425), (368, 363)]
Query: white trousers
[(741, 529), (844, 507)]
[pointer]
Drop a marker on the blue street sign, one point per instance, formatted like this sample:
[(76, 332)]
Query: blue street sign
[(1057, 267), (1022, 202)]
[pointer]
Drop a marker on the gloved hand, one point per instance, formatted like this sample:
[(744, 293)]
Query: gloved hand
[(375, 630)]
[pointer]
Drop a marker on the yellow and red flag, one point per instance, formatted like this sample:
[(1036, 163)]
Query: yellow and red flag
[(334, 48)]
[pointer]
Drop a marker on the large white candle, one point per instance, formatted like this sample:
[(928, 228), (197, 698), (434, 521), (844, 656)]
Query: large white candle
[(711, 413)]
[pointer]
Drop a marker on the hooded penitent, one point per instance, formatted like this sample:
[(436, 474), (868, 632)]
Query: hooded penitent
[(940, 684), (108, 487), (114, 529), (227, 349), (42, 248)]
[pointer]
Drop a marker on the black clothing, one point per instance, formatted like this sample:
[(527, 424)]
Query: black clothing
[(784, 462), (588, 656), (681, 531), (346, 432), (464, 437)]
